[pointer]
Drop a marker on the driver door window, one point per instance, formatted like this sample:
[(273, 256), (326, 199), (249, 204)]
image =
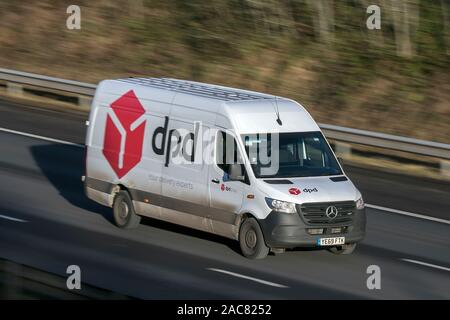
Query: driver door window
[(227, 153)]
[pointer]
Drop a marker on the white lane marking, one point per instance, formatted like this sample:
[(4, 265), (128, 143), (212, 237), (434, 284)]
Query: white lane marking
[(427, 264), (268, 283), (406, 213), (12, 219), (41, 137)]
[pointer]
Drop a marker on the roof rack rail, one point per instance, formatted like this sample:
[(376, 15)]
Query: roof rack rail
[(199, 89)]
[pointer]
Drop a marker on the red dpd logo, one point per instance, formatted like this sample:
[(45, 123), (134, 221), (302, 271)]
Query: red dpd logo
[(124, 134)]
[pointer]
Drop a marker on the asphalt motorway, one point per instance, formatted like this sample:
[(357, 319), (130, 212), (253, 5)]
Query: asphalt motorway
[(46, 222)]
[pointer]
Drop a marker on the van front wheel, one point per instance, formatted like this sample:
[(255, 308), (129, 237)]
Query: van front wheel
[(251, 240), (123, 210)]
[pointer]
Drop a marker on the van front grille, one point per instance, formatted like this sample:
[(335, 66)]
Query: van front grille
[(316, 213)]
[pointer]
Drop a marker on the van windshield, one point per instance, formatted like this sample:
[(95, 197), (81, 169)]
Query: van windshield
[(300, 154)]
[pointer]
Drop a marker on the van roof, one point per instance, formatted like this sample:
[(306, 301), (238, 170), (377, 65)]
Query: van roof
[(199, 89)]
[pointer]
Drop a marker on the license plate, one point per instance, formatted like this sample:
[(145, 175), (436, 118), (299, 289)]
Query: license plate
[(331, 241)]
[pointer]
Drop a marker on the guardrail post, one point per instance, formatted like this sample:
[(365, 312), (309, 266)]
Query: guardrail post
[(14, 89), (342, 149), (84, 102), (445, 167)]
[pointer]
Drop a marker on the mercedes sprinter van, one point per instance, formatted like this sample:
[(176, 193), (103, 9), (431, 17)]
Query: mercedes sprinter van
[(244, 165)]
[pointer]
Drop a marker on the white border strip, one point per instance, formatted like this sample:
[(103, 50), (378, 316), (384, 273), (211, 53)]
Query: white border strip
[(11, 218), (426, 264), (409, 214), (237, 275), (41, 137)]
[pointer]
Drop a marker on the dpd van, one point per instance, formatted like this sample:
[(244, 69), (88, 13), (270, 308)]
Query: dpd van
[(244, 165)]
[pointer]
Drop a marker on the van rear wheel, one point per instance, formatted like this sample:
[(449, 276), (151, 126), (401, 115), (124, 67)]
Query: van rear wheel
[(123, 210), (251, 240)]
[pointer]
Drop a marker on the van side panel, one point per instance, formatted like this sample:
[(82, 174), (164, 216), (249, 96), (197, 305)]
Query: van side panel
[(183, 180), (103, 170), (159, 187)]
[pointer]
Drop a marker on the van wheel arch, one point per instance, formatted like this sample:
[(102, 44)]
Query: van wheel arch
[(115, 191), (244, 216)]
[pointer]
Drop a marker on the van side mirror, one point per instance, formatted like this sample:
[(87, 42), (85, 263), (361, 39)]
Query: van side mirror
[(236, 172)]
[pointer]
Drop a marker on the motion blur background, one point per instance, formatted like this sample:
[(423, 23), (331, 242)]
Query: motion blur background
[(318, 52)]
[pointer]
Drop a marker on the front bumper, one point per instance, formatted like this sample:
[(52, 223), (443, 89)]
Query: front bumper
[(282, 230)]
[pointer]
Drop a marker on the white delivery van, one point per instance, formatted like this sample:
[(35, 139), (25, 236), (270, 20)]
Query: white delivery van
[(245, 165)]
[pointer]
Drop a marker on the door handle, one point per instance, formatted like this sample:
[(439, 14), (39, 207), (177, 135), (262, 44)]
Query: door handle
[(215, 180)]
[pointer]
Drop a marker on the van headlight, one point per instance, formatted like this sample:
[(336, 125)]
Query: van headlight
[(360, 204), (281, 206)]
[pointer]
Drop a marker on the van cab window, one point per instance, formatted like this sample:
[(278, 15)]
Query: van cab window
[(300, 154)]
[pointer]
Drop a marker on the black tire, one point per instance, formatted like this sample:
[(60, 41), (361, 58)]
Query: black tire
[(344, 249), (123, 211), (251, 240)]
